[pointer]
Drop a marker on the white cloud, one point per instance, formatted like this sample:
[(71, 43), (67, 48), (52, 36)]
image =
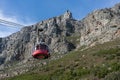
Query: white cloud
[(112, 2), (9, 30), (8, 18), (16, 19), (4, 33)]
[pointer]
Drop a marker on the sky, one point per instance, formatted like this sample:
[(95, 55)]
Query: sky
[(28, 12)]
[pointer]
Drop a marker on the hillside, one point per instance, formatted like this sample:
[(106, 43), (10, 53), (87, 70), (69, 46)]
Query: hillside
[(87, 49), (101, 62)]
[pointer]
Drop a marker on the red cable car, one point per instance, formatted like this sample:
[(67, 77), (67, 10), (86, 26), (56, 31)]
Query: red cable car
[(41, 51)]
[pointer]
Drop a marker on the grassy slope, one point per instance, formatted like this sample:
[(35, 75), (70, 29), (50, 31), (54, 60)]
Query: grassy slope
[(99, 62)]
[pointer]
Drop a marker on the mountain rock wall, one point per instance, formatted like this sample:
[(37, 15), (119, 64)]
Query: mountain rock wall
[(101, 26), (19, 46), (62, 34)]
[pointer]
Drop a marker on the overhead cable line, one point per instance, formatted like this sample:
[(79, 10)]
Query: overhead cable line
[(10, 24)]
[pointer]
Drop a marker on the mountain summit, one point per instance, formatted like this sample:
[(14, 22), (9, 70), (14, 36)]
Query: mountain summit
[(68, 15)]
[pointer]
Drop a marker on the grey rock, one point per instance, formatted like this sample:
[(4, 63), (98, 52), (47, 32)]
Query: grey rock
[(101, 26), (20, 45)]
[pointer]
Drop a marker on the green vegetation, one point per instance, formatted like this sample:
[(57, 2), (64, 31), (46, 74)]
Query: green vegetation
[(113, 76), (73, 39), (101, 62), (109, 54), (103, 70)]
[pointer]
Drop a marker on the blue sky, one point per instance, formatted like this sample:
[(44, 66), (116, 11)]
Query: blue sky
[(29, 12)]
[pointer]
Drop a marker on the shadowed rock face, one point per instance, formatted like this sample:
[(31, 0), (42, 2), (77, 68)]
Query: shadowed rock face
[(98, 27)]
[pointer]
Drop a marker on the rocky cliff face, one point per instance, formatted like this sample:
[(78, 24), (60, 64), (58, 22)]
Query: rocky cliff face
[(19, 46), (62, 34), (101, 26)]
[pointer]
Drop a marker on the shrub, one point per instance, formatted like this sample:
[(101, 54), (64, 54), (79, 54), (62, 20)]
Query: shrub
[(113, 76), (110, 57), (100, 72), (109, 54), (81, 72), (115, 66)]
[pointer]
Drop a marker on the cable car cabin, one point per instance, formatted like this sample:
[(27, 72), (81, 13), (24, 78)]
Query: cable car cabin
[(41, 51)]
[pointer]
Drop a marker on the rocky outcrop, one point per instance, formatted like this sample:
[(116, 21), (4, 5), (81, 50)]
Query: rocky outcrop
[(19, 46), (101, 26)]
